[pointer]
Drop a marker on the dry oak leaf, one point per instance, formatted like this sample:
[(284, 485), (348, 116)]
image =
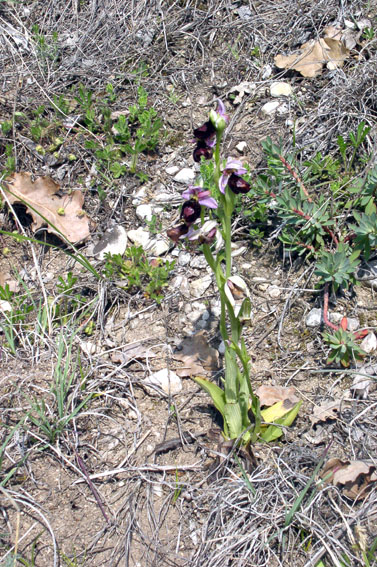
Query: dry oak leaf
[(270, 395), (41, 200), (354, 477), (313, 54), (197, 356), (325, 411)]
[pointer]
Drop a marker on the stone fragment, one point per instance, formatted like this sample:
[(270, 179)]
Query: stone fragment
[(172, 170), (198, 262), (199, 286), (113, 242), (184, 258), (5, 306), (158, 246), (280, 89), (270, 108), (352, 324), (369, 343), (139, 237), (165, 379), (241, 147), (367, 271), (144, 212), (273, 291), (186, 175), (139, 196), (314, 318)]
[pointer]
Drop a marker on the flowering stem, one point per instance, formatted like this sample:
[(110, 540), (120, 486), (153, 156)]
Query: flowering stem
[(217, 157)]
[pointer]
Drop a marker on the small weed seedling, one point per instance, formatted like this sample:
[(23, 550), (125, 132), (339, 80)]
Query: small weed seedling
[(133, 133), (51, 421), (138, 272)]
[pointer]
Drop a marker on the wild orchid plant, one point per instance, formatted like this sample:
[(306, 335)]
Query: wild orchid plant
[(240, 408)]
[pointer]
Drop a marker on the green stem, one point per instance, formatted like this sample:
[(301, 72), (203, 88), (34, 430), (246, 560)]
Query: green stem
[(227, 224), (217, 158)]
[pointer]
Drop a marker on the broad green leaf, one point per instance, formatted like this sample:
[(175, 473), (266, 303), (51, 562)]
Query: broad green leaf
[(231, 375), (216, 393), (273, 431), (233, 420)]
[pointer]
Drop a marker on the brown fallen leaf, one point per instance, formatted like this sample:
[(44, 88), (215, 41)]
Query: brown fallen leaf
[(354, 477), (40, 198), (131, 352), (313, 54), (197, 356), (270, 395), (5, 279), (325, 411)]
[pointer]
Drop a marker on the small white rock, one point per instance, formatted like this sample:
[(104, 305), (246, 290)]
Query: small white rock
[(5, 306), (184, 258), (273, 291), (352, 324), (270, 108), (198, 262), (158, 246), (144, 212), (186, 175), (280, 89), (139, 196), (172, 170), (221, 347), (335, 317), (114, 242), (198, 287), (241, 147), (266, 72), (369, 343), (139, 237), (163, 197), (88, 347), (314, 318), (165, 379)]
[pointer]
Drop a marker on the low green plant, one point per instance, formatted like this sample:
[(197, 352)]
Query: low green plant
[(47, 47), (132, 135), (343, 347), (368, 34), (138, 272), (327, 212), (51, 420)]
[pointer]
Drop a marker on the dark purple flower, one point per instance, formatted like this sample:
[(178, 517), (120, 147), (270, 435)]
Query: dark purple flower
[(206, 131), (233, 169), (203, 197), (177, 232), (237, 184), (190, 211), (202, 149)]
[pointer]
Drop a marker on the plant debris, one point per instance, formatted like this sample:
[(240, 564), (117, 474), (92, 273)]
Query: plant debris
[(356, 478), (314, 54), (60, 215)]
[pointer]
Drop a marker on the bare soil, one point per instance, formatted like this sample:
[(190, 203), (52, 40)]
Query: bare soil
[(109, 490)]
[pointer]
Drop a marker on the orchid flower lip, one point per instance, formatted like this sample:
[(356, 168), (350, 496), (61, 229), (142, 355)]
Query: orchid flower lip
[(233, 169)]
